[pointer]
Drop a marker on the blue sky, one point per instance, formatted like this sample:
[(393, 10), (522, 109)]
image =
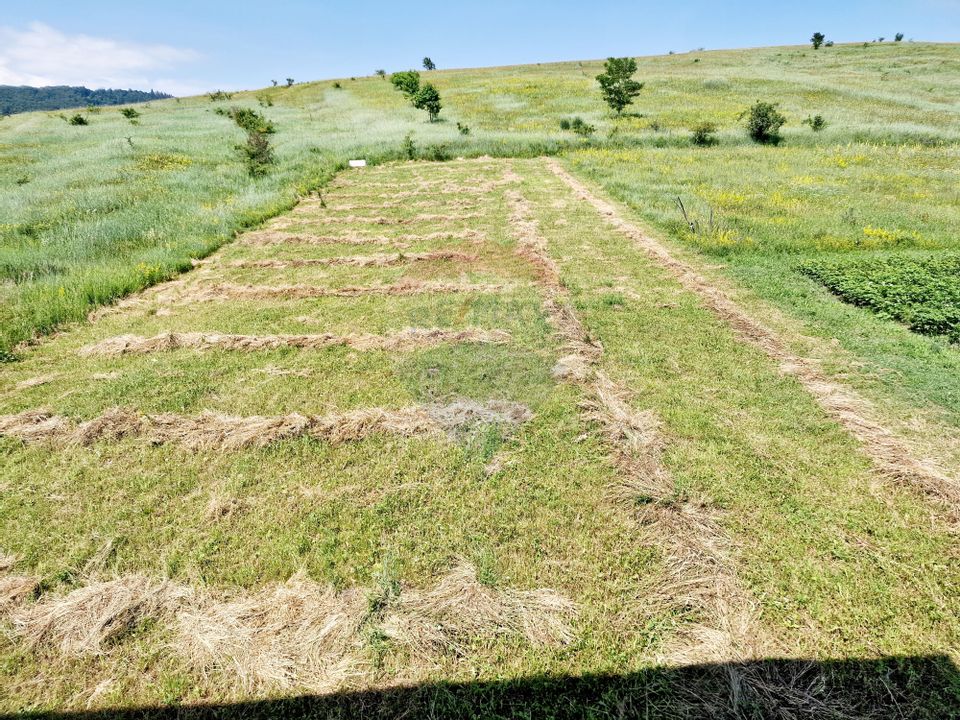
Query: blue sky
[(190, 47)]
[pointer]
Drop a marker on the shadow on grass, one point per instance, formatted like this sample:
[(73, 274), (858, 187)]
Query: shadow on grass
[(893, 687)]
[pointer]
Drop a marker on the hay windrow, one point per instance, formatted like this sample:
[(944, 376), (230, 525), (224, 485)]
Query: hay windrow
[(89, 619), (14, 589), (216, 431), (267, 237), (889, 454), (383, 220), (295, 634), (312, 206), (35, 381), (378, 260), (406, 340), (272, 237), (459, 609), (228, 291)]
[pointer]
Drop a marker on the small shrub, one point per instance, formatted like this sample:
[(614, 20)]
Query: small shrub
[(129, 113), (406, 81), (828, 43), (22, 180), (438, 153), (816, 123), (564, 124), (93, 110), (703, 134), (289, 82), (78, 119), (617, 84), (409, 147), (817, 40), (219, 95), (274, 82), (337, 86), (428, 64), (265, 100), (582, 128), (427, 98), (258, 154), (464, 129), (764, 122), (898, 37)]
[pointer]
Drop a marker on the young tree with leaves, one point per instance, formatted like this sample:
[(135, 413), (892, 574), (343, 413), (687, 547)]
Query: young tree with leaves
[(428, 64), (407, 81), (817, 40), (427, 98), (617, 83)]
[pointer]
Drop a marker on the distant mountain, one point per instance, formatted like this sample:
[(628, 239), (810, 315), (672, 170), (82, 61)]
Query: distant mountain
[(14, 99)]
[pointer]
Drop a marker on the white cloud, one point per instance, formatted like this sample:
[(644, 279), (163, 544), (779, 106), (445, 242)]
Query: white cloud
[(42, 55)]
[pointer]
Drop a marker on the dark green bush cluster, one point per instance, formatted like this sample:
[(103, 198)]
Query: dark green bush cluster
[(923, 292), (257, 151), (764, 122), (78, 119), (406, 81), (219, 95), (129, 113), (248, 119), (577, 125), (816, 123)]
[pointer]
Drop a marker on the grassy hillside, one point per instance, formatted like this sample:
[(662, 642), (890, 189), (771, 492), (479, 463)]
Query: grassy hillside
[(463, 426)]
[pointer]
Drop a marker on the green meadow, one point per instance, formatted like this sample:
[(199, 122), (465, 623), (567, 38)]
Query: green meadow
[(673, 521)]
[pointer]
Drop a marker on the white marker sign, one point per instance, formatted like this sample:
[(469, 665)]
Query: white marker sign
[(358, 163)]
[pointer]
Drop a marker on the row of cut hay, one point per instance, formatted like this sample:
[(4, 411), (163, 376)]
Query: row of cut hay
[(275, 237), (311, 206), (297, 634), (377, 260), (697, 578), (232, 291), (217, 431), (290, 220), (405, 340), (889, 454)]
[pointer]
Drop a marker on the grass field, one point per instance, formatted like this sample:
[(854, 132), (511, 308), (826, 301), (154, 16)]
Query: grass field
[(461, 426)]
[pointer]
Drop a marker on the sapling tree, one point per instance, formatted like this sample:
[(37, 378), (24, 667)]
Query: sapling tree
[(427, 98), (817, 40), (764, 122), (617, 83), (428, 64), (898, 37), (289, 82)]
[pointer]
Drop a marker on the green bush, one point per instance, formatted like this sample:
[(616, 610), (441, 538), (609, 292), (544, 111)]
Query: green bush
[(129, 113), (764, 122), (703, 134), (250, 120), (816, 123), (922, 292), (617, 84), (898, 37), (464, 129), (78, 119), (564, 124), (428, 64), (258, 154), (817, 40), (219, 95), (406, 81)]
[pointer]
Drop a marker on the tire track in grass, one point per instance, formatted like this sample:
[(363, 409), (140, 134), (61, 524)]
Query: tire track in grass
[(890, 456)]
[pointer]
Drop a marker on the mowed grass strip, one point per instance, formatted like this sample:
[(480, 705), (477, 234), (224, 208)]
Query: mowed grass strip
[(840, 562), (523, 506)]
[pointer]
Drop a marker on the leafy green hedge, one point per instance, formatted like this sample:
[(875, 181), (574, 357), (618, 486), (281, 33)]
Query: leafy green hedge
[(923, 292)]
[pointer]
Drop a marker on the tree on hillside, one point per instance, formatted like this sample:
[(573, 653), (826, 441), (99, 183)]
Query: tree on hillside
[(428, 64), (617, 83), (427, 98), (289, 82), (407, 81), (817, 40), (898, 37), (274, 82), (381, 73), (764, 122)]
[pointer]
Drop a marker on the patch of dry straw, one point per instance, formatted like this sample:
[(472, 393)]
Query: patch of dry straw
[(217, 431), (378, 260), (406, 340)]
